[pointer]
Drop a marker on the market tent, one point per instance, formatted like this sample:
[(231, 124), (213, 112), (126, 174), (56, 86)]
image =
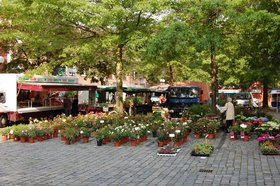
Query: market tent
[(46, 87)]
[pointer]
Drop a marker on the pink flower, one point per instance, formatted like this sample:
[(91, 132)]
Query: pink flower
[(261, 139), (277, 136)]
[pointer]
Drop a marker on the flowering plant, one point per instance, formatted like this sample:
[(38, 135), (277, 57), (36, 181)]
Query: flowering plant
[(245, 128), (162, 134), (118, 133), (85, 132), (198, 127), (268, 148), (179, 134), (5, 131), (32, 132), (212, 126), (273, 127), (235, 129)]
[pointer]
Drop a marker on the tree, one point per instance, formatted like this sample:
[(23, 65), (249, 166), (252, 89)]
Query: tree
[(209, 21), (86, 26), (260, 42)]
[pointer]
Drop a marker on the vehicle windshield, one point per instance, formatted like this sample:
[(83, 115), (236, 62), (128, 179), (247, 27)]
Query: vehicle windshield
[(243, 96), (183, 92)]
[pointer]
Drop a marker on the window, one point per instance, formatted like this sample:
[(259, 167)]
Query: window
[(2, 97)]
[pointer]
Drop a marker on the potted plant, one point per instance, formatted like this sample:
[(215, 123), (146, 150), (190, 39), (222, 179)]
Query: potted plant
[(70, 135), (211, 128), (202, 149), (85, 134), (99, 137), (119, 135), (234, 130), (5, 133), (23, 136), (162, 137), (134, 137), (156, 120), (32, 132), (198, 127), (245, 131), (21, 131), (179, 137), (267, 148)]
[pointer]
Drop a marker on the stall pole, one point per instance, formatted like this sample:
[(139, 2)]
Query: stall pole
[(277, 103)]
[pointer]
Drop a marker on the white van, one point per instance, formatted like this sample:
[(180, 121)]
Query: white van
[(246, 99)]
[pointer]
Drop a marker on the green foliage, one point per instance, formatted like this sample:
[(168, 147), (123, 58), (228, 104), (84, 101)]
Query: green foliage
[(32, 132), (235, 129), (198, 127), (267, 147), (5, 131), (212, 126), (203, 148), (199, 109), (85, 132)]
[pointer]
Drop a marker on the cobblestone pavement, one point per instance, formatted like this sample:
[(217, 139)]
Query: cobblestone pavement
[(54, 163)]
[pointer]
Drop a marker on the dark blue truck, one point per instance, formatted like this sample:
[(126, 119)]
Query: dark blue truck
[(179, 98)]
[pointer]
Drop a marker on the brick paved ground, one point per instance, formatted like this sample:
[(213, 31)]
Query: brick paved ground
[(53, 163)]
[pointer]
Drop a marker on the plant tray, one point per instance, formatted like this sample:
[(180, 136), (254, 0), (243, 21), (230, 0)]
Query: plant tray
[(270, 153), (169, 154), (193, 153)]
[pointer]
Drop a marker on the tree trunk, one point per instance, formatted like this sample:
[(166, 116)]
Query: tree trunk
[(214, 77), (119, 75), (171, 76), (265, 94)]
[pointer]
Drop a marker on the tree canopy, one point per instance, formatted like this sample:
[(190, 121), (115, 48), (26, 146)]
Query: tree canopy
[(219, 41)]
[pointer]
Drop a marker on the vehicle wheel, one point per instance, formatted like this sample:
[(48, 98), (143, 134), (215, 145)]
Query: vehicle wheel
[(113, 113), (3, 121), (116, 113)]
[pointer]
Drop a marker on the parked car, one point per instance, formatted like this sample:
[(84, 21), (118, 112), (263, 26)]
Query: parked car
[(246, 99)]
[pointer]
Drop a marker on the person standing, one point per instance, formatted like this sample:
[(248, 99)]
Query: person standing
[(75, 106), (67, 104), (229, 109), (162, 99)]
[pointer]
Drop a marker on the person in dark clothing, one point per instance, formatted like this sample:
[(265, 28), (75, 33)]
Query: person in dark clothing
[(67, 105), (75, 107)]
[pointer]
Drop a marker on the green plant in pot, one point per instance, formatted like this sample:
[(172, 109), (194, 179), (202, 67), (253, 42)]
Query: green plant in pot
[(212, 126), (268, 148), (99, 136), (162, 134), (70, 134), (203, 149), (246, 129), (198, 127), (157, 120), (5, 131), (235, 129), (32, 132), (85, 132)]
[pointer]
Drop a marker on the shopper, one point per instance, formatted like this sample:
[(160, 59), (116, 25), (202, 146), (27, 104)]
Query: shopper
[(229, 109)]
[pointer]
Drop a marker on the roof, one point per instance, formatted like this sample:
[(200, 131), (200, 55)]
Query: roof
[(125, 89), (275, 91), (47, 87)]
